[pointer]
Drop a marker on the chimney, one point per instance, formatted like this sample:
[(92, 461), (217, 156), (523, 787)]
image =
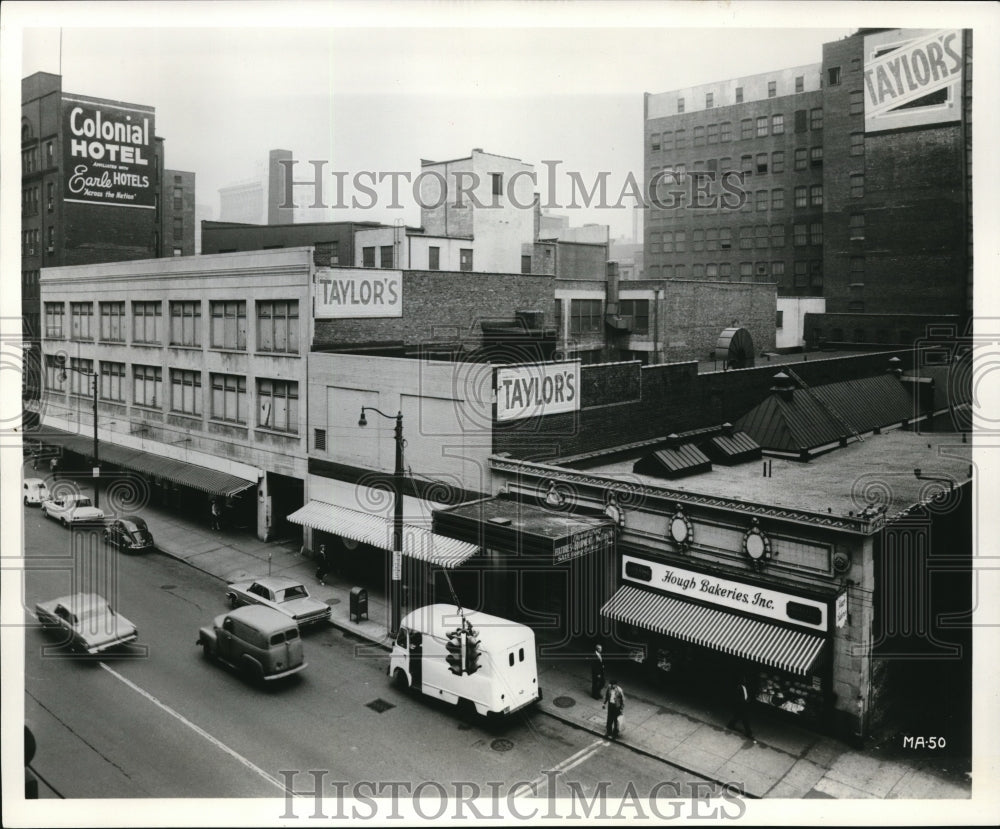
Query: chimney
[(612, 289), (895, 367), (783, 386)]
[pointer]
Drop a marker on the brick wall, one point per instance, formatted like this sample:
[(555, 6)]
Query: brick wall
[(99, 233)]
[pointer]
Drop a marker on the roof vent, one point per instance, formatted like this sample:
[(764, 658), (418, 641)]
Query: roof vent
[(783, 386), (895, 367)]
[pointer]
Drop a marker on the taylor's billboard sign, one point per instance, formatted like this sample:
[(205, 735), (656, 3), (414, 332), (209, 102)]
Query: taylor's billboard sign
[(344, 293), (912, 78), (109, 153), (537, 389)]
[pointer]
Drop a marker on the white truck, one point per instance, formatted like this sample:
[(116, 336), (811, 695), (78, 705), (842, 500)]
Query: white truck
[(505, 674)]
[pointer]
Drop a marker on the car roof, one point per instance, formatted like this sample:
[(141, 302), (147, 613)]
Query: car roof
[(133, 521), (75, 600), (265, 619), (275, 582)]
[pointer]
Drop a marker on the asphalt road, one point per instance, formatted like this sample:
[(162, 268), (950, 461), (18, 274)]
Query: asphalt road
[(156, 719)]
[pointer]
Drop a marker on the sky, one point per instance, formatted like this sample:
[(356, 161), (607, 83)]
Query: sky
[(381, 98)]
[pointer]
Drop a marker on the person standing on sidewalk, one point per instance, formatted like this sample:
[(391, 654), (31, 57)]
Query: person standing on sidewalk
[(216, 515), (324, 565), (614, 701), (741, 707), (596, 672)]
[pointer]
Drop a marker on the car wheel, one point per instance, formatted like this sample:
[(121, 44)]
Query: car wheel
[(206, 651), (399, 680), (252, 669)]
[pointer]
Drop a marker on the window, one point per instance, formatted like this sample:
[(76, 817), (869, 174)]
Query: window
[(725, 270), (801, 274), (777, 124), (146, 322), (526, 262), (584, 316), (800, 83), (816, 118), (699, 136), (857, 266), (185, 323), (146, 385), (178, 252), (698, 271), (801, 196), (739, 94), (178, 227), (801, 157), (229, 325), (680, 238), (638, 309), (746, 238), (712, 271), (668, 140), (668, 242), (857, 185), (81, 316), (698, 241), (746, 271), (709, 100), (816, 195), (777, 236), (229, 398), (816, 157), (725, 131), (434, 259), (778, 198), (860, 335), (801, 120), (855, 64), (725, 238), (185, 391), (857, 103), (816, 233), (679, 139), (778, 161), (779, 319), (746, 128), (857, 306), (465, 259), (319, 439), (760, 236), (761, 200), (654, 144), (857, 143), (816, 273), (497, 184), (680, 104), (178, 198), (278, 405), (278, 325), (857, 226), (712, 238), (53, 370), (386, 258), (833, 76), (801, 235), (713, 134), (54, 316), (80, 376), (761, 163), (746, 164), (368, 257), (778, 273), (772, 89), (113, 382)]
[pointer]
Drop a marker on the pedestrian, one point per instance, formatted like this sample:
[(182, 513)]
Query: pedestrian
[(596, 672), (216, 515), (742, 697), (324, 565), (54, 469), (614, 701)]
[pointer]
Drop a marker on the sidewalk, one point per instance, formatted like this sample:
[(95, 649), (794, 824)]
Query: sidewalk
[(787, 761)]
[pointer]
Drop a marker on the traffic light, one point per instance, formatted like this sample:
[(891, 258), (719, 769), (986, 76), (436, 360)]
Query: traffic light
[(473, 651), (456, 652)]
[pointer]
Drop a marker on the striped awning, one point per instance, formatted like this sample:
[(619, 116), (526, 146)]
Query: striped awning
[(211, 481), (376, 530), (752, 639)]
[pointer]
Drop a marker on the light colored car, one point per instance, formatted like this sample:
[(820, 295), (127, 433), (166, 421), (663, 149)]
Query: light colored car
[(35, 491), (262, 643), (72, 509), (90, 623), (285, 595)]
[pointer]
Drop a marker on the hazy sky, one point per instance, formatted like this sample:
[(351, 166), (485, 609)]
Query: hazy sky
[(370, 91)]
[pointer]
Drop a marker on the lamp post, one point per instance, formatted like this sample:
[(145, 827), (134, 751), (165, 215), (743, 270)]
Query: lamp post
[(97, 460), (397, 523)]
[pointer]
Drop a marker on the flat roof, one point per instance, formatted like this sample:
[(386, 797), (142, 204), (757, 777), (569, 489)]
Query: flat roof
[(878, 470)]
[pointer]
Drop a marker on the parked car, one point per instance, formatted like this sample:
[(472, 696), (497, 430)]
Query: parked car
[(285, 595), (262, 643), (35, 491), (129, 533), (72, 509), (91, 623)]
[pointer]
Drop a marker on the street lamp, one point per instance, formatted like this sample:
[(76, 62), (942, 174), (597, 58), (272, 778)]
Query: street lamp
[(397, 523), (97, 460)]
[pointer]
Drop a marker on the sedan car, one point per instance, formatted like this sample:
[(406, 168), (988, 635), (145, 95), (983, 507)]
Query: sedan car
[(129, 534), (285, 595), (88, 620), (72, 509), (35, 491)]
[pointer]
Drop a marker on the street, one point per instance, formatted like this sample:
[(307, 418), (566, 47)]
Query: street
[(156, 719)]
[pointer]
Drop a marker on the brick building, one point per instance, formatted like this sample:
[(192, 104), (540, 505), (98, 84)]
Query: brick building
[(871, 212)]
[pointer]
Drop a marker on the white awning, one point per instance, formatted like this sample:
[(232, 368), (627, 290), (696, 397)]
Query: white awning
[(418, 543)]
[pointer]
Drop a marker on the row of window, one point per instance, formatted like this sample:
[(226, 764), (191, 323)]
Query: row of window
[(586, 315), (30, 197), (31, 244), (804, 272), (749, 236), (804, 158), (277, 400), (277, 323), (387, 259)]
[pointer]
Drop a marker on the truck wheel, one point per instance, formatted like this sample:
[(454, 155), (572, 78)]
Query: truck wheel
[(252, 669), (399, 680)]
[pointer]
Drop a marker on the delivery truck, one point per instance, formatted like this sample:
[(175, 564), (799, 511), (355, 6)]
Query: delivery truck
[(466, 658)]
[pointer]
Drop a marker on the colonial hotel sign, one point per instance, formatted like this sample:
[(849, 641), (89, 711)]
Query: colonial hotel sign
[(346, 293)]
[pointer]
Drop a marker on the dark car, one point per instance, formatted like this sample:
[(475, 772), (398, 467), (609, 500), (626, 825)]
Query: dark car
[(129, 534)]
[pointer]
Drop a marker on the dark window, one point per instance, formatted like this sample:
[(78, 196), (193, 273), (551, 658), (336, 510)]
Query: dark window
[(857, 185), (638, 309), (816, 118), (634, 570), (585, 316), (772, 89), (497, 183), (434, 258), (699, 136), (833, 76), (679, 139), (386, 256), (319, 439), (816, 157), (368, 257), (777, 236), (465, 259), (857, 143), (739, 94), (525, 263), (857, 103), (709, 100), (801, 120), (857, 226), (761, 163), (746, 128), (800, 83), (816, 233), (801, 235), (680, 104), (713, 133)]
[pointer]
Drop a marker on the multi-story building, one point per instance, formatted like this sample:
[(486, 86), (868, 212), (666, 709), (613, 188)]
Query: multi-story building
[(177, 215), (258, 199), (843, 185)]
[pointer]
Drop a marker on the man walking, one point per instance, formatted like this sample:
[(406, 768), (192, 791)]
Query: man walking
[(596, 672), (614, 701), (216, 514), (741, 710)]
